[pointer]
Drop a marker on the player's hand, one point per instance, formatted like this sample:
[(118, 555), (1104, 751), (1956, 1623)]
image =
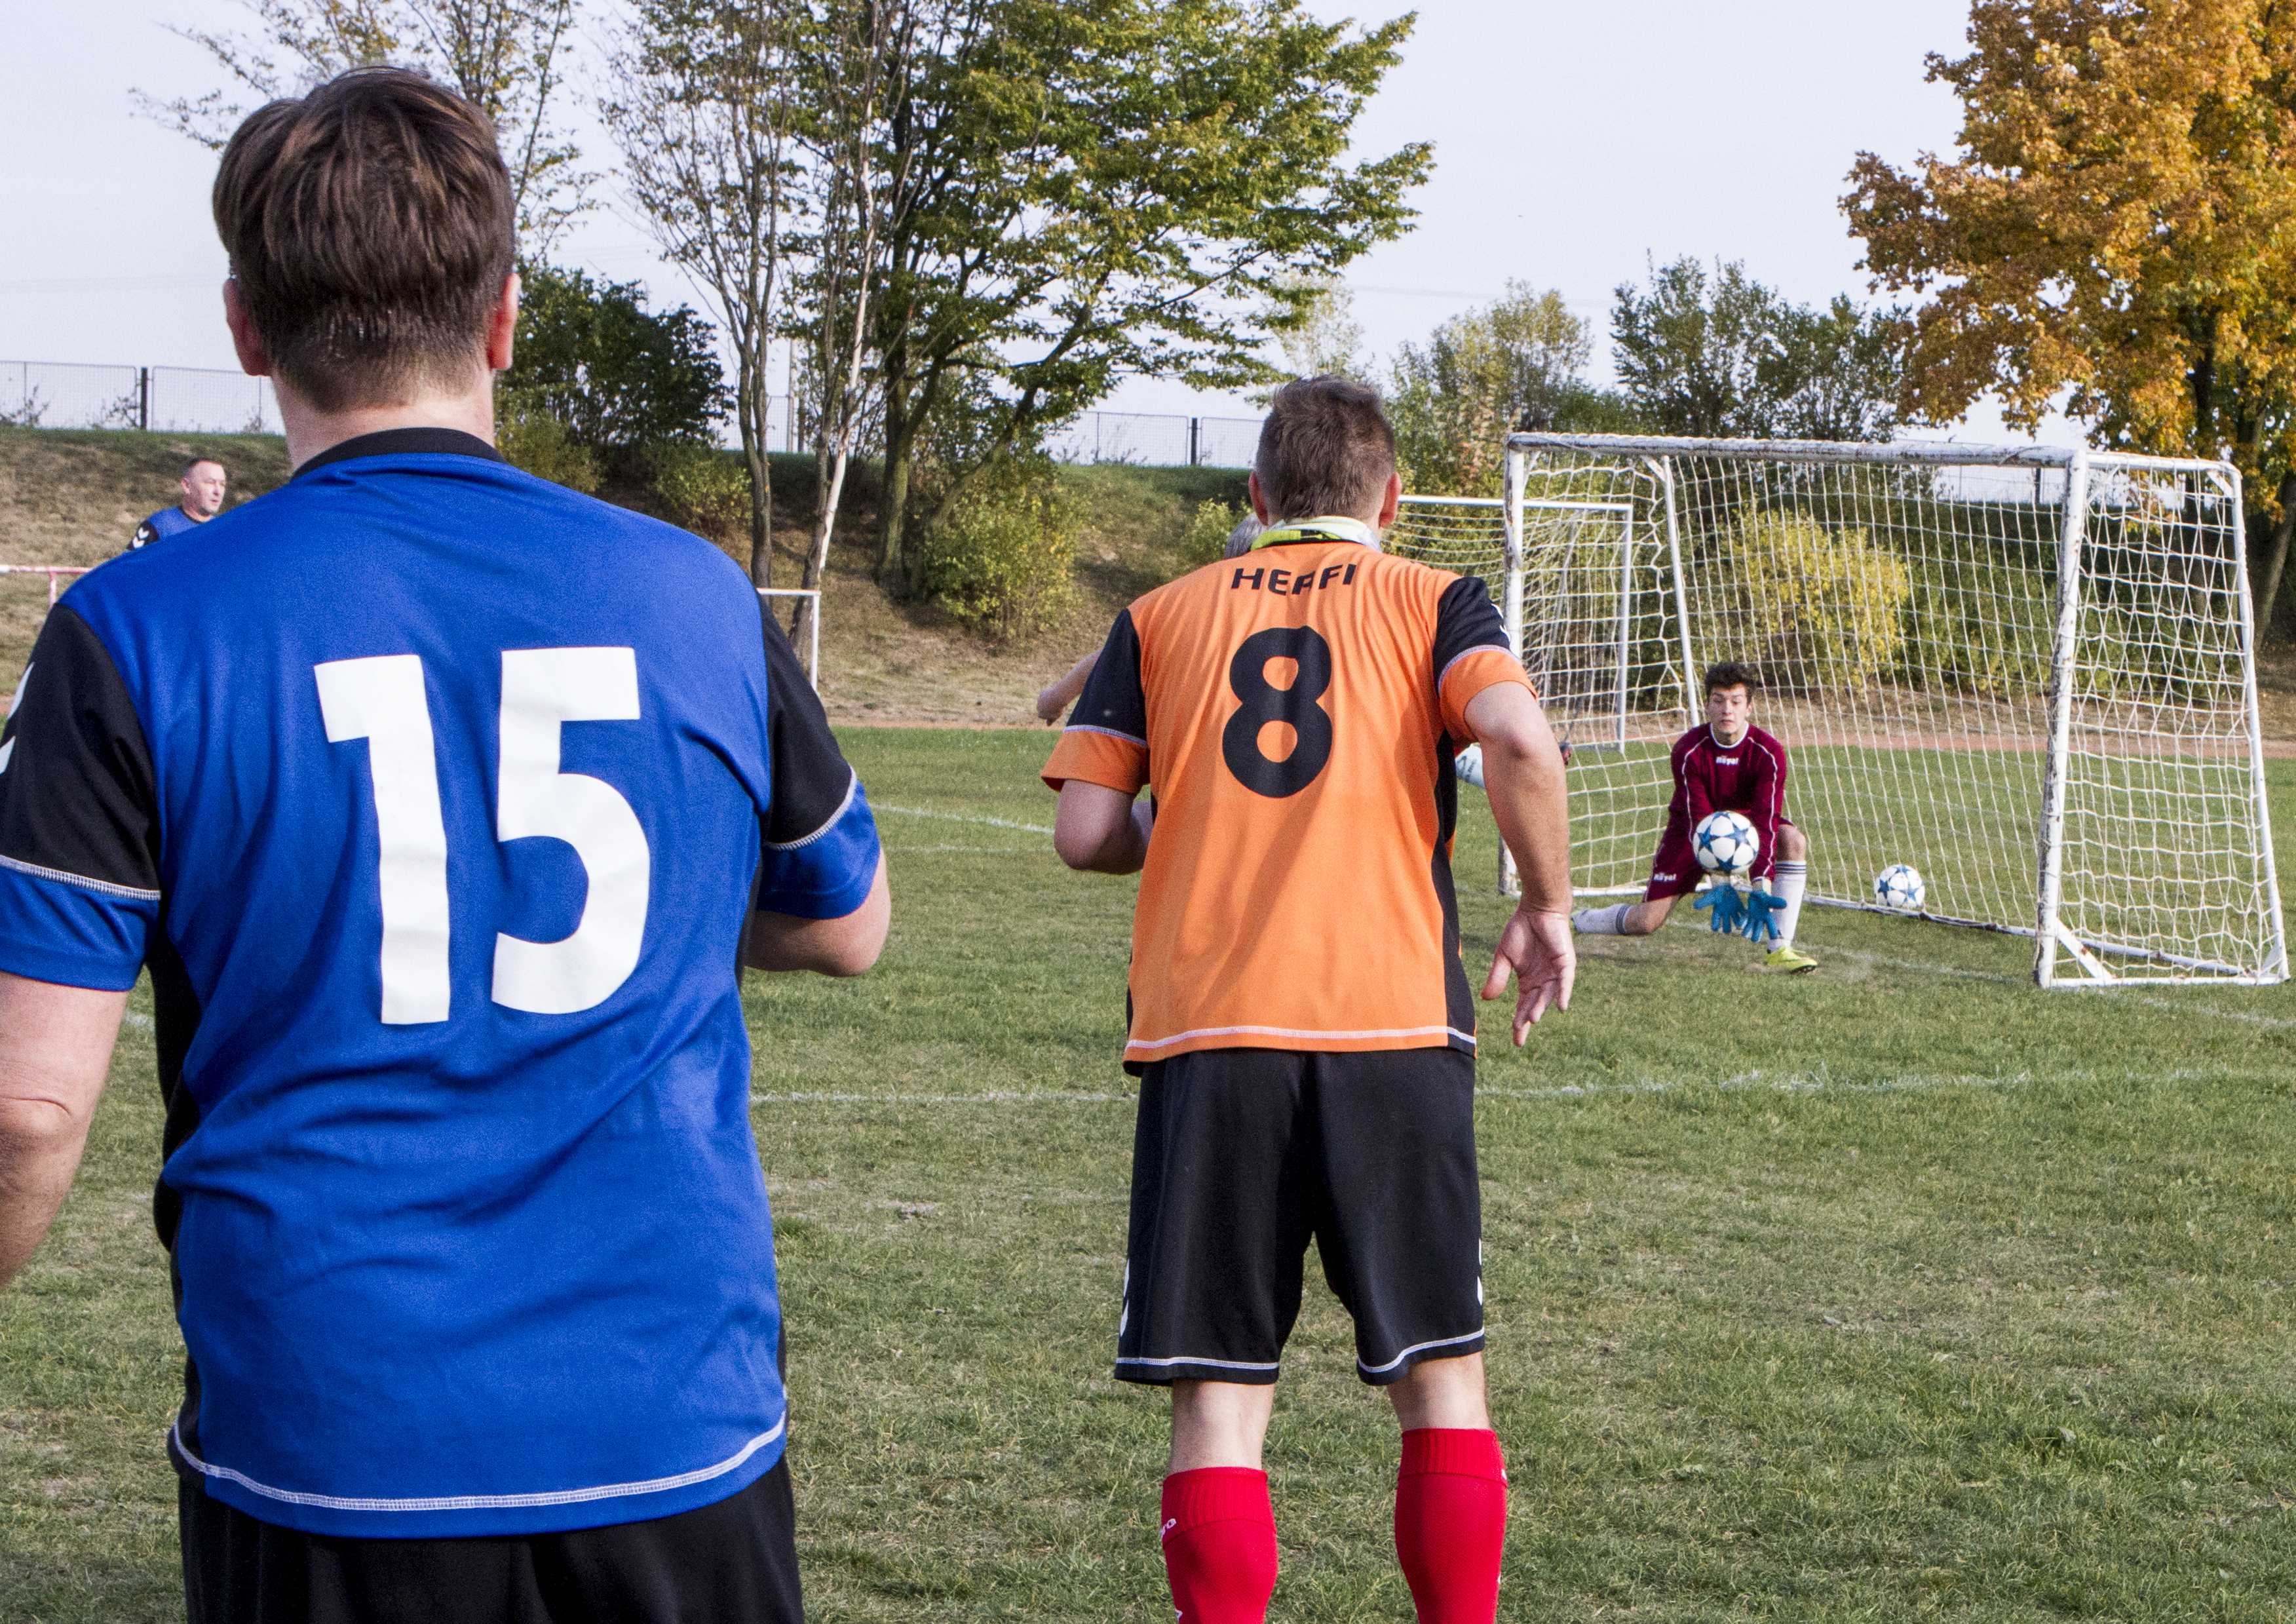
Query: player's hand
[(1729, 908), (1536, 950), (1761, 922), (1049, 705)]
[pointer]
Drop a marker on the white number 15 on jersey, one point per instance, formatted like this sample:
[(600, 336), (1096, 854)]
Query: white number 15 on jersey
[(383, 700)]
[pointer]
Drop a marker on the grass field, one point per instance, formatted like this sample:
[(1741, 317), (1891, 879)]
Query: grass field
[(1897, 1292)]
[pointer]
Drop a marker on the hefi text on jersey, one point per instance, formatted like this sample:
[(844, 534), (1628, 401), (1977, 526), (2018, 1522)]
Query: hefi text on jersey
[(1269, 578)]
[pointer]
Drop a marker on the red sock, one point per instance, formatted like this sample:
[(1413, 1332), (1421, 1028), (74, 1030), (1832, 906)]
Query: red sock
[(1451, 1523), (1219, 1545)]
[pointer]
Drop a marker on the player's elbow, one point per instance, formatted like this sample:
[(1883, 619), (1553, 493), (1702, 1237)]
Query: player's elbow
[(34, 1130)]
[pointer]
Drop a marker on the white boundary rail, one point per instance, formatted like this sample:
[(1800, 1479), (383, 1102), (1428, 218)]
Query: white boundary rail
[(54, 572), (813, 627)]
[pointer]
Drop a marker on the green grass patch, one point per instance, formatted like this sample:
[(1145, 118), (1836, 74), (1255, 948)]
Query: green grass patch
[(1898, 1292)]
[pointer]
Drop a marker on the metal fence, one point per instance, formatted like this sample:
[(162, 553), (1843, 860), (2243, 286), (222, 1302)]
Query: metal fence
[(171, 399), (210, 400), (1158, 439)]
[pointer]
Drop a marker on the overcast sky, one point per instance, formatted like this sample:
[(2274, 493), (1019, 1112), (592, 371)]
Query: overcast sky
[(1574, 142)]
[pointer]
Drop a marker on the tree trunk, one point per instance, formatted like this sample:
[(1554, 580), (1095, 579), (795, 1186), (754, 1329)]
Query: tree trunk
[(751, 389), (893, 505), (2275, 564)]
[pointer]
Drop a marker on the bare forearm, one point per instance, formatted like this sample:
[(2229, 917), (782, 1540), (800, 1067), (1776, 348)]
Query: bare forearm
[(55, 1051), (1531, 806), (1529, 795)]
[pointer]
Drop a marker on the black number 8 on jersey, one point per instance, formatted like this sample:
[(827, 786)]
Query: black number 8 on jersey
[(1264, 703)]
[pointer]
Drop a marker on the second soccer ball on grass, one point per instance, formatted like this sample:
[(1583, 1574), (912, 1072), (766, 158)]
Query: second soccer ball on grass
[(1725, 844)]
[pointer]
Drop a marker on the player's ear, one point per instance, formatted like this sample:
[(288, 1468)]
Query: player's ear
[(254, 360), (501, 326), (1258, 501), (1391, 501)]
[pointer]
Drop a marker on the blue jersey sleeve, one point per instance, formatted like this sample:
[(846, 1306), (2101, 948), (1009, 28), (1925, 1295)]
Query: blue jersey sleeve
[(820, 849), (79, 888)]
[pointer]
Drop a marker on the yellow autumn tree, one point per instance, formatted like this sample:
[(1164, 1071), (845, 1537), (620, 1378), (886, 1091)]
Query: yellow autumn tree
[(2118, 228)]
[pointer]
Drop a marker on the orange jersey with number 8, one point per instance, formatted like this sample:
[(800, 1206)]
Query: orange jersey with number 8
[(1294, 713)]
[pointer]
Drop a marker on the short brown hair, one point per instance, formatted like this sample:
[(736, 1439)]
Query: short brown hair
[(369, 226), (1734, 674), (190, 462), (1327, 448)]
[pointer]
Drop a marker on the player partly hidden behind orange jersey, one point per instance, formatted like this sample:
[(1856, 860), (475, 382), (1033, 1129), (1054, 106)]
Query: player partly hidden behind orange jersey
[(1300, 1015)]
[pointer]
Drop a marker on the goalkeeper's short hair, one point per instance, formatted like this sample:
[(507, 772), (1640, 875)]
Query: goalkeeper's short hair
[(1248, 531), (1733, 673)]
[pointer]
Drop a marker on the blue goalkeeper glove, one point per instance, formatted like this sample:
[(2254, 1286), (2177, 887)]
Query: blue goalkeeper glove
[(1729, 908), (1761, 913)]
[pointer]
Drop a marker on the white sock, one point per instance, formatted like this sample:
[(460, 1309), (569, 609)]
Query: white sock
[(1790, 880), (1601, 922)]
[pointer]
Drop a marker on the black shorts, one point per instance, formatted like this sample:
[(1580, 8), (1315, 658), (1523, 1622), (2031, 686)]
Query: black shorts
[(1241, 1155), (735, 1560)]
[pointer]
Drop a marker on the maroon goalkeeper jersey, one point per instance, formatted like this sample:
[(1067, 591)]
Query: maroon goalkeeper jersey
[(1748, 777)]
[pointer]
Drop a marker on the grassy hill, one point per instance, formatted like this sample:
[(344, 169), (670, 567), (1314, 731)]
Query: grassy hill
[(74, 497)]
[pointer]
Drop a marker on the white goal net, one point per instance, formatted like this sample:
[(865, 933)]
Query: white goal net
[(2027, 672)]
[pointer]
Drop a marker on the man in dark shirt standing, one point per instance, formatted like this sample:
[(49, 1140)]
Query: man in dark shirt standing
[(203, 484)]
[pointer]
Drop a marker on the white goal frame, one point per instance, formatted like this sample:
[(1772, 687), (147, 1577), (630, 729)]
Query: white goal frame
[(2098, 789)]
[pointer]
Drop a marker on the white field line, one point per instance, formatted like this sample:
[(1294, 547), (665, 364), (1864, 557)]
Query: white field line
[(2277, 1023), (985, 852), (991, 1096), (967, 818), (1797, 1082)]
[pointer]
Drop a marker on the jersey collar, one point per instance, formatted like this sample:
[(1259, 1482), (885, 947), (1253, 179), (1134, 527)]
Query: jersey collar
[(404, 442), (1715, 739), (1330, 526)]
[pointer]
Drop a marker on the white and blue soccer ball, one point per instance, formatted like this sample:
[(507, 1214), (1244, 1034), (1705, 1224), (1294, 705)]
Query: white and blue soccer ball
[(1725, 844), (1900, 886), (1469, 765)]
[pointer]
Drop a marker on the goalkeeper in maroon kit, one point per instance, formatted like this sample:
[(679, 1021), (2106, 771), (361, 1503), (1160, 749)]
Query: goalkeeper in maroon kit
[(1728, 765)]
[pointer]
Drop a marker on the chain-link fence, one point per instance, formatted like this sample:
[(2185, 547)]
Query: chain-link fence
[(171, 399), (1158, 439), (207, 400)]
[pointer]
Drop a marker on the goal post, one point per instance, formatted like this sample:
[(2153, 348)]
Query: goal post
[(2028, 672)]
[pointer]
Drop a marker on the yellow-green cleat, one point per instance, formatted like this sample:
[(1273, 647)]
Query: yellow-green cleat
[(1788, 962)]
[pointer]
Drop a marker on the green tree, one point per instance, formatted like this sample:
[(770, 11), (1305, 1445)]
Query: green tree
[(1092, 189), (706, 106), (619, 375), (1514, 364), (1725, 356), (2117, 231)]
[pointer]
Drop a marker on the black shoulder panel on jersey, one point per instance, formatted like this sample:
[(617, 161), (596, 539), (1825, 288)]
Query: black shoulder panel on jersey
[(145, 535), (1113, 701), (78, 799), (810, 775), (1465, 619)]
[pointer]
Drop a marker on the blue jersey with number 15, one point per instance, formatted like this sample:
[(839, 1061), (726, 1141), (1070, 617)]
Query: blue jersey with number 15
[(435, 797)]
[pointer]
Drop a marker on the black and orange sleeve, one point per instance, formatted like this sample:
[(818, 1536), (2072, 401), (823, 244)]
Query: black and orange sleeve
[(1471, 651), (1106, 740)]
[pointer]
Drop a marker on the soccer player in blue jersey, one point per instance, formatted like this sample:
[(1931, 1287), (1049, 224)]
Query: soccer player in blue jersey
[(442, 836), (203, 484)]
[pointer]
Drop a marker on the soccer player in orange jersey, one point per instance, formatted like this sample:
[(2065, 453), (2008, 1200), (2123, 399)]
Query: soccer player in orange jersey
[(1300, 1018)]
